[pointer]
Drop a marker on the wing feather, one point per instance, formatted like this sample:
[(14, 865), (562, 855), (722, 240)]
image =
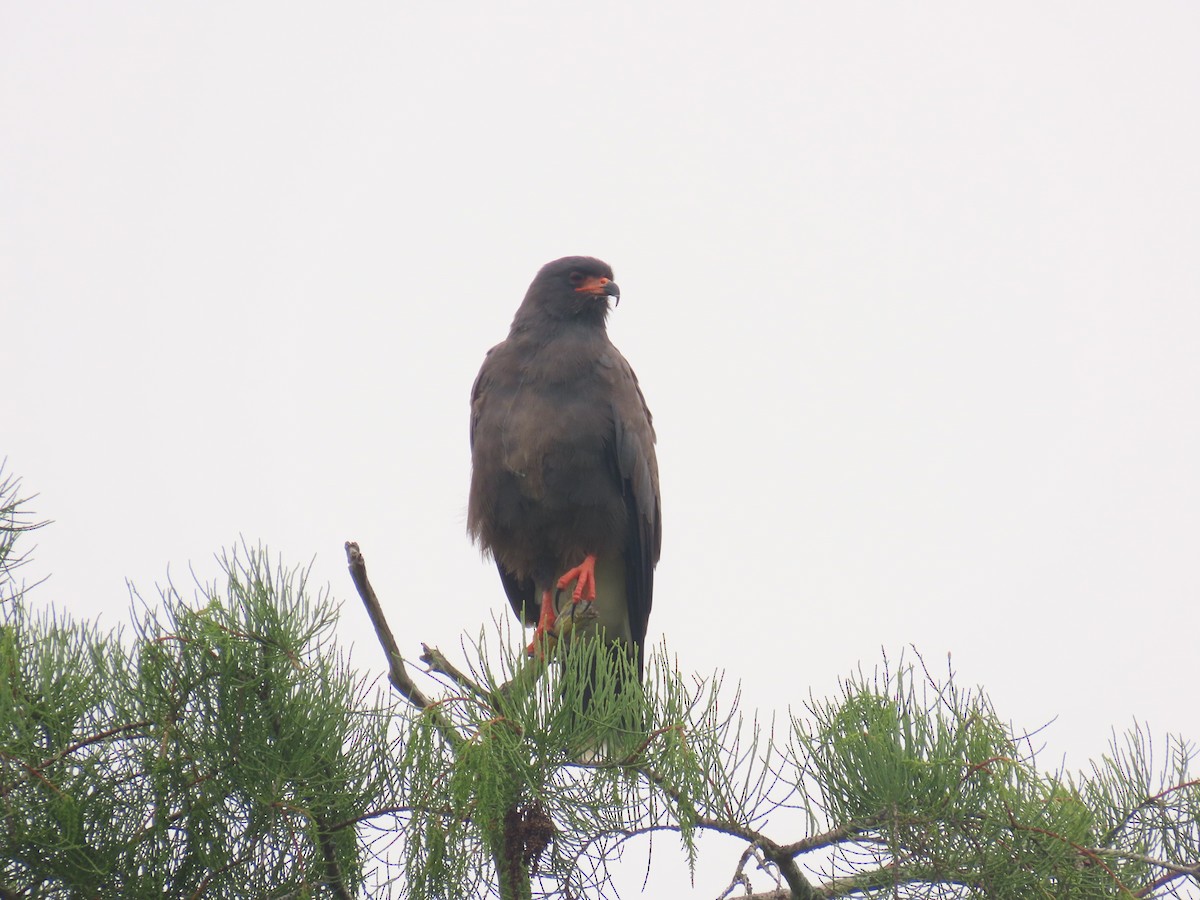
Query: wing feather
[(637, 467)]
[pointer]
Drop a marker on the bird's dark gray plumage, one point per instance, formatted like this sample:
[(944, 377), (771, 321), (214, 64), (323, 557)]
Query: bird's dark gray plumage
[(562, 455)]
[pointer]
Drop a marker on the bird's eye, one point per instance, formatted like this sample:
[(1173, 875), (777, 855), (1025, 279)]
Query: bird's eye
[(575, 278)]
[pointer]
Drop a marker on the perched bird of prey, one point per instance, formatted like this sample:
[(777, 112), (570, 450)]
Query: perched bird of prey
[(564, 483)]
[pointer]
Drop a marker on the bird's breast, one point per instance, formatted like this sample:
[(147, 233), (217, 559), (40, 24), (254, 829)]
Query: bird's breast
[(553, 421)]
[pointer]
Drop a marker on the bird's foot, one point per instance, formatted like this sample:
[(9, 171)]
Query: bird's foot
[(584, 576), (545, 625)]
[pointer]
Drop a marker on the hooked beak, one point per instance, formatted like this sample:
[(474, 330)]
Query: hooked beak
[(600, 286)]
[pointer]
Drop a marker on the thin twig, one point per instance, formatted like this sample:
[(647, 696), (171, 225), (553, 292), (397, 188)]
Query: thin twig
[(799, 887), (742, 880), (437, 661), (397, 671)]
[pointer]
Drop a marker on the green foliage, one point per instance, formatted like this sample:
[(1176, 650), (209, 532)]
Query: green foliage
[(221, 754), (928, 794), (225, 749), (15, 521), (575, 780)]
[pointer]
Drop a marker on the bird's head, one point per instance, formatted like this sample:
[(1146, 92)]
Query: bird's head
[(574, 288)]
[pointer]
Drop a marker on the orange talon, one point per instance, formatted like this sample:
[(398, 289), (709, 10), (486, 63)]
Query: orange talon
[(545, 622), (584, 576)]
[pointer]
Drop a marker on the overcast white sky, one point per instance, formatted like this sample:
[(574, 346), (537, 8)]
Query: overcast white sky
[(913, 291)]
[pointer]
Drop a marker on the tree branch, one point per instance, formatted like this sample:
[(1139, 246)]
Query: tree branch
[(799, 887), (397, 671), (437, 661), (820, 841)]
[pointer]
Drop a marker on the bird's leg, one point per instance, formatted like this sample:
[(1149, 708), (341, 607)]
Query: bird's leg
[(545, 622), (584, 576)]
